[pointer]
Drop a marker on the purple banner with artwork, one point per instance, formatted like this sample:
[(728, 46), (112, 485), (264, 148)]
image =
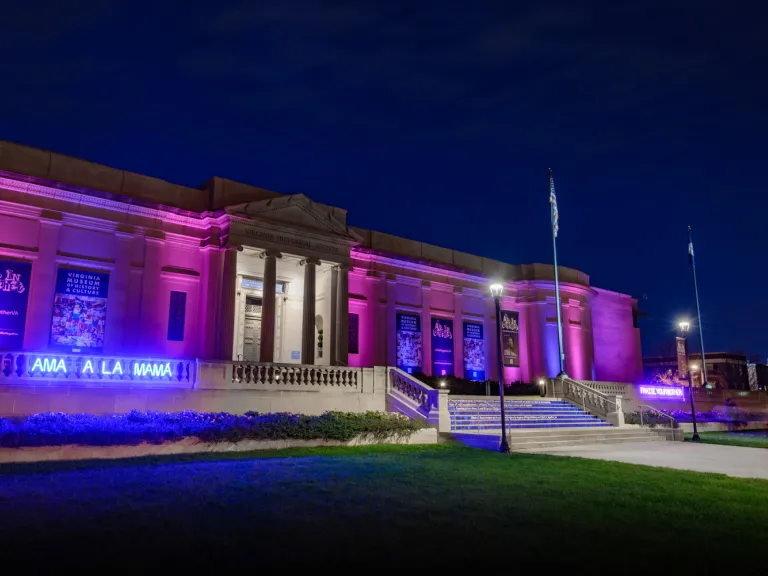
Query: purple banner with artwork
[(510, 341), (442, 347), (409, 346), (79, 310), (474, 351), (14, 295)]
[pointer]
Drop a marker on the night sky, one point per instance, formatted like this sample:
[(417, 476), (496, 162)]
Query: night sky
[(438, 121)]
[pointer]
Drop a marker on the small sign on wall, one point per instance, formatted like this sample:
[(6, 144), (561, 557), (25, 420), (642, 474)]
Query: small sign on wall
[(295, 355)]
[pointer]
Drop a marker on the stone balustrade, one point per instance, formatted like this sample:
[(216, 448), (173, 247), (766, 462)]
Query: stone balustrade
[(605, 406), (269, 376), (609, 388), (418, 400)]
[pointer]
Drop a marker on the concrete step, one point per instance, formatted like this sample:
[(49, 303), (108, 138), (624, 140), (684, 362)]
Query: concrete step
[(531, 426), (608, 432), (551, 443)]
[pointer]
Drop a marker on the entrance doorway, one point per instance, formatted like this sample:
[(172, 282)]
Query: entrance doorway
[(252, 329)]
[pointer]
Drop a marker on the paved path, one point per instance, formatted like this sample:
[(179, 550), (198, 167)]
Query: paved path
[(730, 460)]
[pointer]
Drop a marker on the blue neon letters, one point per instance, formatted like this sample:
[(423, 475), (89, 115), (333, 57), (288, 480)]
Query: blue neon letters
[(119, 369)]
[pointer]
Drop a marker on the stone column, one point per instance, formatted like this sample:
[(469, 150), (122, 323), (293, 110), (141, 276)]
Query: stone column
[(208, 310), (426, 329), (118, 295), (227, 309), (342, 316), (40, 307), (458, 333), (267, 352), (308, 311), (150, 323), (331, 331), (390, 321)]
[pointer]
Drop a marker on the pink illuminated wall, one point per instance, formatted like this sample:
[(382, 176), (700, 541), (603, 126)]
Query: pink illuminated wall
[(616, 340), (146, 264), (142, 273)]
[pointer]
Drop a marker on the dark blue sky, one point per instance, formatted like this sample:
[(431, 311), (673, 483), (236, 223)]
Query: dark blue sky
[(438, 121)]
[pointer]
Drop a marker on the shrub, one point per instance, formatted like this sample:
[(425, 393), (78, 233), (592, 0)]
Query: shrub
[(58, 429)]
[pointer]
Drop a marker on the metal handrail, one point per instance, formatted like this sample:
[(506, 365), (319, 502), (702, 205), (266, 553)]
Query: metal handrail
[(657, 411)]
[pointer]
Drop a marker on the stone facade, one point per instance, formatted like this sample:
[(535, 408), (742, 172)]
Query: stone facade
[(267, 277)]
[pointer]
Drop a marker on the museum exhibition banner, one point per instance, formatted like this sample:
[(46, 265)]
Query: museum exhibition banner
[(79, 310), (474, 351), (442, 347), (510, 338), (409, 351), (14, 295)]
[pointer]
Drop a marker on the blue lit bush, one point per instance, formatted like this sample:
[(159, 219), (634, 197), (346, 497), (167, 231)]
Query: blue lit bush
[(58, 429)]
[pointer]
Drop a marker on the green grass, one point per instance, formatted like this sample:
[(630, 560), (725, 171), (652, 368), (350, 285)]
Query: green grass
[(748, 438), (389, 508)]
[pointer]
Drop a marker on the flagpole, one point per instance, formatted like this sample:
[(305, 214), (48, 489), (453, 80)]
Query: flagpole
[(704, 382), (554, 219)]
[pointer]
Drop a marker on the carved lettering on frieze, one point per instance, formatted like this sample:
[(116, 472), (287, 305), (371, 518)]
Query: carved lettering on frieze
[(285, 240)]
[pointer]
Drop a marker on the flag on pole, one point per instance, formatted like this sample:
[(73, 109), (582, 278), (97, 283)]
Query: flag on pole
[(690, 248), (553, 202)]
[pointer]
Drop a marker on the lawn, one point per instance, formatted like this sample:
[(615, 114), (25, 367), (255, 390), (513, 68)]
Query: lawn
[(748, 438), (382, 508)]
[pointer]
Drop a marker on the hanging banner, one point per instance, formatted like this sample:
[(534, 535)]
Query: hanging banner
[(474, 351), (79, 310), (14, 295), (682, 357), (409, 349), (510, 341), (442, 347)]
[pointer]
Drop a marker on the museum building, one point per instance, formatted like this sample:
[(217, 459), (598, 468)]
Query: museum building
[(127, 274)]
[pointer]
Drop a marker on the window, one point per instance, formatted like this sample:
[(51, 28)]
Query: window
[(176, 316), (354, 323)]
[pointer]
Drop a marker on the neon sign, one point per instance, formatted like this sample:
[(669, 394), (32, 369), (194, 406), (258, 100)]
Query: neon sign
[(668, 392), (113, 369)]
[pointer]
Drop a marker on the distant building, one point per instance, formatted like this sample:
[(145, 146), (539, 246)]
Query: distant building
[(724, 369)]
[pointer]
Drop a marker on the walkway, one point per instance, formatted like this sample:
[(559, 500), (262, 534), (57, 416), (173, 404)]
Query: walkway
[(730, 460)]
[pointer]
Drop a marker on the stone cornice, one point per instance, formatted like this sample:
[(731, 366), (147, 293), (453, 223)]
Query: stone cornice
[(77, 198)]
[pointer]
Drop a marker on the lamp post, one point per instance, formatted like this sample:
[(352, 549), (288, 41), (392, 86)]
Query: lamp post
[(496, 290), (684, 327)]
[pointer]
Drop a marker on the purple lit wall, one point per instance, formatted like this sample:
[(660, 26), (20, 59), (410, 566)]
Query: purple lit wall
[(616, 340), (142, 273), (183, 255)]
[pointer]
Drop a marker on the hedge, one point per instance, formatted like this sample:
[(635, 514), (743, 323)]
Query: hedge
[(58, 429)]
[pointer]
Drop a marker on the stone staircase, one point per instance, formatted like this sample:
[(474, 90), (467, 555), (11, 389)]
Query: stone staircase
[(534, 423), (484, 414)]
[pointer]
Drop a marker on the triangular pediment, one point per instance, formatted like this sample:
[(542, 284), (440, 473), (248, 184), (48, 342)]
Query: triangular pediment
[(296, 211)]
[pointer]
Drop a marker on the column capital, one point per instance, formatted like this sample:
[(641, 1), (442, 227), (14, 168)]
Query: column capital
[(342, 266), (270, 254), (314, 261)]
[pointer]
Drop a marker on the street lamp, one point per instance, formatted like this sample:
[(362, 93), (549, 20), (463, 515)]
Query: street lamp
[(496, 290), (684, 326)]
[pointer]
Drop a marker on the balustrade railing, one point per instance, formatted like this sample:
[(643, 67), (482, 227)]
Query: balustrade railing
[(294, 375), (421, 397), (589, 399), (609, 388)]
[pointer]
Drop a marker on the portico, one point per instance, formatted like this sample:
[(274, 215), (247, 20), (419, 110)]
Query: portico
[(286, 284)]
